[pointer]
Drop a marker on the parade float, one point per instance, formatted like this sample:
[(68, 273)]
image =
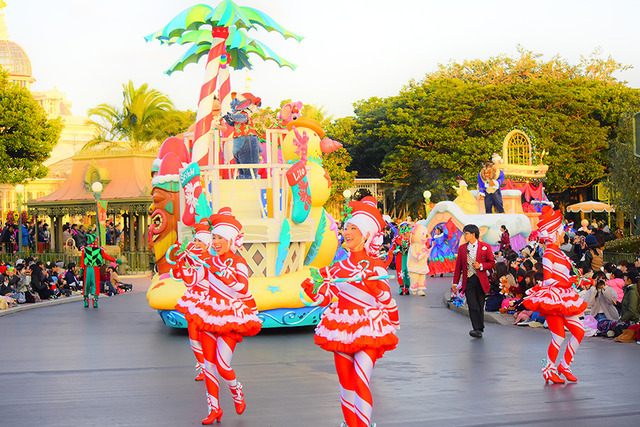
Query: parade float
[(279, 200), (522, 195)]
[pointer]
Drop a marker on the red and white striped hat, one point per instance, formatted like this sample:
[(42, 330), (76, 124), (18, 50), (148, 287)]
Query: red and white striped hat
[(366, 216), (203, 231), (550, 222), (224, 224)]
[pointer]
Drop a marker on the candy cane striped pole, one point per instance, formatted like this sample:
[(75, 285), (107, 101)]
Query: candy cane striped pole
[(204, 116)]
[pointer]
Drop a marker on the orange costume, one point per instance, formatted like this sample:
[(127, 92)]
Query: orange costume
[(361, 325)]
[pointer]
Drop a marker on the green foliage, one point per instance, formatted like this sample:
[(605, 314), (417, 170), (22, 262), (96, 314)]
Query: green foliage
[(26, 135), (624, 170), (626, 245), (147, 118), (336, 164), (456, 118)]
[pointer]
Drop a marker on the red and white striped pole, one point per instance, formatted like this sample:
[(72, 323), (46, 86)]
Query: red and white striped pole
[(204, 116)]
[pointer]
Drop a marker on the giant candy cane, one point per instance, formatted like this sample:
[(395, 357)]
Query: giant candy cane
[(204, 116)]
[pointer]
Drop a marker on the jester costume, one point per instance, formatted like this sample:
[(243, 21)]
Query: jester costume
[(361, 325), (92, 256), (400, 250), (556, 299)]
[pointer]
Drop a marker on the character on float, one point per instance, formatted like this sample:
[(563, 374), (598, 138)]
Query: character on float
[(92, 256), (361, 325), (227, 313), (490, 180), (187, 262), (556, 299), (246, 147), (465, 199), (442, 257), (417, 265)]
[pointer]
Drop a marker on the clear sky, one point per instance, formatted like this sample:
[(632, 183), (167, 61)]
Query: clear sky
[(352, 49)]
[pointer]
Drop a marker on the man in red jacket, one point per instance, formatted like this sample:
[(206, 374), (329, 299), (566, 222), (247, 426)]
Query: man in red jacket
[(474, 260)]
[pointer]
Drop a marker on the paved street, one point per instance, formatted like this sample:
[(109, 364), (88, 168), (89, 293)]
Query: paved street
[(118, 365)]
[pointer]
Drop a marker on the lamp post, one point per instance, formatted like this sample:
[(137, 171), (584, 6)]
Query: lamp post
[(427, 201), (97, 187), (19, 192), (347, 195)]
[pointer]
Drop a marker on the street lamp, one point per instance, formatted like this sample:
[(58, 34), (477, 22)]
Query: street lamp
[(97, 188), (427, 201), (347, 195), (19, 191)]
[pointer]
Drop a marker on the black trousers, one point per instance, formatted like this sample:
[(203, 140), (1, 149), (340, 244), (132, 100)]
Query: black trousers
[(475, 302), (493, 200)]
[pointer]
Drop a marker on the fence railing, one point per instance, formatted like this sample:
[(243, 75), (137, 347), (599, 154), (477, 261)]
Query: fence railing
[(132, 262)]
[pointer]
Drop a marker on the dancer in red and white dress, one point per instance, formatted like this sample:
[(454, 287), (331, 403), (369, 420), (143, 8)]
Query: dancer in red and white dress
[(188, 263), (361, 325), (556, 299), (227, 313)]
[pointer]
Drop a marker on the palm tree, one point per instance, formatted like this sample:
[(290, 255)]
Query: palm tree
[(220, 34), (135, 127)]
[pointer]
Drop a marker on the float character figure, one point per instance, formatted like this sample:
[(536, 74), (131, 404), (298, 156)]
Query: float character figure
[(227, 313), (556, 299), (417, 265), (361, 325), (246, 147), (399, 251), (92, 256), (187, 262), (490, 180)]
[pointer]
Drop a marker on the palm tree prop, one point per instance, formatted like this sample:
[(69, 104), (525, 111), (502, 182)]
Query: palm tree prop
[(219, 33)]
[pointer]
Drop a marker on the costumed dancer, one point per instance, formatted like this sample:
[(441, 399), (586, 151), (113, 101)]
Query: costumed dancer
[(417, 265), (398, 252), (442, 258), (92, 256), (188, 262), (227, 313), (361, 325), (465, 199), (556, 299)]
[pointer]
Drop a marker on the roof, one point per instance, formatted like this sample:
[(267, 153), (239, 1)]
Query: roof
[(125, 178)]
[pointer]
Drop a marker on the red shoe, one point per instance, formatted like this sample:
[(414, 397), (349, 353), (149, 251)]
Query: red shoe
[(549, 374), (214, 415), (238, 398), (567, 373), (200, 376)]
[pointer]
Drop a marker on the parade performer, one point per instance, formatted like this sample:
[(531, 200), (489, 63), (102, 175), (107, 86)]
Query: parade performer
[(417, 265), (442, 258), (187, 263), (361, 325), (556, 299), (465, 199), (92, 256), (399, 253), (227, 313), (490, 180)]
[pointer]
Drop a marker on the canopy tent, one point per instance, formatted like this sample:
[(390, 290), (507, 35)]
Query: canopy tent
[(590, 206)]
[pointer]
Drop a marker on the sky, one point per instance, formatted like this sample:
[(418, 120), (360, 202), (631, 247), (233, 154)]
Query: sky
[(351, 50)]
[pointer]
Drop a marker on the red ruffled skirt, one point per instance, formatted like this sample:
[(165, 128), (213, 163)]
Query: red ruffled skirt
[(352, 330), (191, 297), (555, 300), (223, 317)]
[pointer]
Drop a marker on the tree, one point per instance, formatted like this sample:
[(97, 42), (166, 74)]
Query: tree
[(147, 117), (26, 135), (457, 117), (624, 170)]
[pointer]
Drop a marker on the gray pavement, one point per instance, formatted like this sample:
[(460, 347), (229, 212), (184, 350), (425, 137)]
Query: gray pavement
[(64, 365)]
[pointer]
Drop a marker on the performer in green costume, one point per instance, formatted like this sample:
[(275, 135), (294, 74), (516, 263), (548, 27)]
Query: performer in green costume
[(92, 257)]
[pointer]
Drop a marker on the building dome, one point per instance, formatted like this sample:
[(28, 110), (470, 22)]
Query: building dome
[(14, 59)]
